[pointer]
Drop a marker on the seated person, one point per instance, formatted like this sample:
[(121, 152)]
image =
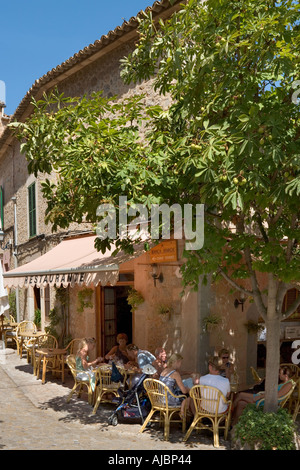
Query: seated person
[(242, 399), (160, 362), (83, 363), (227, 368), (172, 379), (119, 353), (138, 357), (214, 379)]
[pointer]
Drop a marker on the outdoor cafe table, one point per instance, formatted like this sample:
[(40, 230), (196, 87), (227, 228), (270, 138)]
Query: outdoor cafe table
[(129, 372), (239, 387), (27, 335), (47, 353)]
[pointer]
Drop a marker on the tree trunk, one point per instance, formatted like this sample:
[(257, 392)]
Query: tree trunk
[(272, 363)]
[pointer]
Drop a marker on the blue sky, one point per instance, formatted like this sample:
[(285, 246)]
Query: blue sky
[(37, 35)]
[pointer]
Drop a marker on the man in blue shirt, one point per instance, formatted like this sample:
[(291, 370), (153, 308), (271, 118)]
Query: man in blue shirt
[(141, 356)]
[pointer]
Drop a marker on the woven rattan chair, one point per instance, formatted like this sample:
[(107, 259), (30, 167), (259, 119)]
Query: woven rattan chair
[(29, 347), (105, 388), (10, 334), (206, 402), (158, 394), (24, 327), (283, 400), (44, 341), (72, 347), (255, 375), (79, 383), (294, 401), (10, 331)]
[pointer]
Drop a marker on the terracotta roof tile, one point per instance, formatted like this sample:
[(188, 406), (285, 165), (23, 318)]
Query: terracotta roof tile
[(81, 56)]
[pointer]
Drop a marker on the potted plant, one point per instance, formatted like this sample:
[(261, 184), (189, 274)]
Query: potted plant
[(165, 310), (134, 298), (211, 322), (254, 327), (85, 299)]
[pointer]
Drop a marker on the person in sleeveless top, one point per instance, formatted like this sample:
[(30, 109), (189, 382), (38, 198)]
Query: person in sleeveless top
[(242, 399), (83, 363), (119, 352), (172, 379), (160, 362)]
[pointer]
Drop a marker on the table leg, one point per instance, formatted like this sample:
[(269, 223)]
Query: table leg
[(44, 370), (62, 368)]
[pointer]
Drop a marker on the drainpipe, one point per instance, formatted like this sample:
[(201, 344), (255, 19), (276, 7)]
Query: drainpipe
[(15, 254)]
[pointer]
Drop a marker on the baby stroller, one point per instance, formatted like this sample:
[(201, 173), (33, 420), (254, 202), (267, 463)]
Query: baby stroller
[(134, 404)]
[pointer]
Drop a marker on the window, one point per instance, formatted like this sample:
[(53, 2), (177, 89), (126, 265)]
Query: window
[(32, 210), (1, 208), (47, 302), (289, 299)]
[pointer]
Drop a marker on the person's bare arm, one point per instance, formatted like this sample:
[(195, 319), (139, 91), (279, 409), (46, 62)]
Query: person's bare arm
[(111, 353), (179, 382)]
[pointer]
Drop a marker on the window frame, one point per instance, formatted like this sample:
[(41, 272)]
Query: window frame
[(32, 212)]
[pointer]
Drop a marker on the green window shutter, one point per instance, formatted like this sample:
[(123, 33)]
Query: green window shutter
[(2, 207), (32, 210)]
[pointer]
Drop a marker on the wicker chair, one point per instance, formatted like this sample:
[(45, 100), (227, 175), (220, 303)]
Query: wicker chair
[(206, 401), (158, 394), (72, 347), (105, 386), (24, 327), (44, 341), (255, 375), (79, 383), (10, 334), (29, 347), (294, 401)]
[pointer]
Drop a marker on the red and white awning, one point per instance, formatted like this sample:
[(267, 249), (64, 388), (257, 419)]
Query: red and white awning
[(73, 261)]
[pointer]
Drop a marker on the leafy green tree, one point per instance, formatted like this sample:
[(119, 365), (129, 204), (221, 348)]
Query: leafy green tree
[(232, 134), (229, 139)]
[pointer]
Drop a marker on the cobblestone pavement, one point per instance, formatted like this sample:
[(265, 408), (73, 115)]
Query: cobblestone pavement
[(36, 417)]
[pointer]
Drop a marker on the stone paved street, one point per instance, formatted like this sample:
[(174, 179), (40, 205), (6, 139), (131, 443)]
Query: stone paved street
[(36, 417)]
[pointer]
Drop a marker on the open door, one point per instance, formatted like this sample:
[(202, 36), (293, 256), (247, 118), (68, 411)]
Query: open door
[(114, 316)]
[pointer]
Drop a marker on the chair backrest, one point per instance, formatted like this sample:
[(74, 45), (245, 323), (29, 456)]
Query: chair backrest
[(294, 368), (26, 327), (297, 388), (72, 347), (255, 375), (46, 341), (157, 392), (208, 400), (104, 376), (71, 362), (12, 319), (284, 399)]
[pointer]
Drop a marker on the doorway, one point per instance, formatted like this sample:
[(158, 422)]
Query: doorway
[(116, 316)]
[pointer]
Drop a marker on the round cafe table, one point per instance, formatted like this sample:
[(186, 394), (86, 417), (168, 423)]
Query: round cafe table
[(47, 354)]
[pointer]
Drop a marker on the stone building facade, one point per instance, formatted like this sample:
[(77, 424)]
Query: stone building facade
[(165, 317)]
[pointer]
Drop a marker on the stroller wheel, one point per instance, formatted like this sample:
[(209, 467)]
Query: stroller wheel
[(113, 420)]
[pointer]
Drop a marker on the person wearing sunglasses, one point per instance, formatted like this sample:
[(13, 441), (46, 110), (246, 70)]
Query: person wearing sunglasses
[(227, 367)]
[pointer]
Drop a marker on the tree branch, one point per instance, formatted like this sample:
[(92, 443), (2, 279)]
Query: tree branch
[(234, 284), (292, 309), (256, 291)]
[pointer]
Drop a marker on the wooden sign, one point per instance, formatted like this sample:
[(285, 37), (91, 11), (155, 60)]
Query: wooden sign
[(164, 252)]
